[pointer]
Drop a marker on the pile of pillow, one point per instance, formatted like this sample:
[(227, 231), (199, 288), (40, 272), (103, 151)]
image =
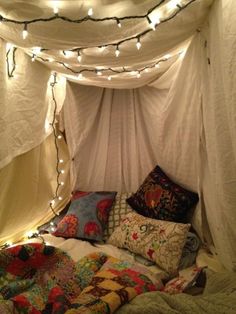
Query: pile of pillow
[(151, 222)]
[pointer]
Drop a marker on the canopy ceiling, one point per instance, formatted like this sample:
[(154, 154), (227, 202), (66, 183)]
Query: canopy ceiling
[(175, 20)]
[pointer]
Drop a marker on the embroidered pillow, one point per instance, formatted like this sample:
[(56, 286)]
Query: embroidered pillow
[(87, 216), (119, 209), (160, 198), (158, 240)]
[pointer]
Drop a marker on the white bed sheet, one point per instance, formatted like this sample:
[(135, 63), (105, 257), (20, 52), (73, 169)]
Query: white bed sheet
[(79, 248)]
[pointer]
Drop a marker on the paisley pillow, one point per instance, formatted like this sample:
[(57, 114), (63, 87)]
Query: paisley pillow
[(157, 240), (160, 198), (87, 216)]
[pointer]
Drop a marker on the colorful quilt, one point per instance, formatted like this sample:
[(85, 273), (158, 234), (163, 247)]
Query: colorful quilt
[(35, 278)]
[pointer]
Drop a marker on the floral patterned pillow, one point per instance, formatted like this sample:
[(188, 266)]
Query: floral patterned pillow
[(157, 240), (160, 198), (87, 216)]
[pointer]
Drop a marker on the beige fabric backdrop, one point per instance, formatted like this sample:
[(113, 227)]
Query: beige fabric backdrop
[(27, 185), (25, 104)]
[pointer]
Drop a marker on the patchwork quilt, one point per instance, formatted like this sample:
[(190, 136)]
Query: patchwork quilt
[(35, 278)]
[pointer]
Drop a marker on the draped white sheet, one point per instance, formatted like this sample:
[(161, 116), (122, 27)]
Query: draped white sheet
[(25, 104), (188, 129), (186, 124)]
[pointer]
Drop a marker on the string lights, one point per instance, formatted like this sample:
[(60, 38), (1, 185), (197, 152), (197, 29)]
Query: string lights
[(174, 8), (101, 71), (11, 66), (57, 137)]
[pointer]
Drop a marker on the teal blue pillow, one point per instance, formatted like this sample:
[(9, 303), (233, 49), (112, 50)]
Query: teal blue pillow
[(87, 216)]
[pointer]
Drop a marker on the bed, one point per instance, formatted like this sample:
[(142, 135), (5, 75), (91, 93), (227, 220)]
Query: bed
[(118, 253)]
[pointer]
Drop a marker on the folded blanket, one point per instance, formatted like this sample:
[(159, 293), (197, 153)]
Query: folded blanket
[(190, 250), (35, 279)]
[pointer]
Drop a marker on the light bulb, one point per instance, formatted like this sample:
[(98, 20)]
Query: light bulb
[(157, 65), (146, 70), (61, 161), (55, 10), (168, 56), (9, 46), (99, 73), (52, 223), (67, 53), (173, 4), (138, 44), (118, 23), (25, 32), (79, 58), (55, 6), (138, 75), (151, 24), (90, 11), (59, 137), (52, 202), (36, 50), (62, 183), (33, 58), (60, 198), (50, 59), (109, 78), (80, 76), (117, 51), (102, 48), (62, 171)]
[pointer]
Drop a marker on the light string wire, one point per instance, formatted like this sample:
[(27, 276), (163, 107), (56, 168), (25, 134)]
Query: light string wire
[(81, 20), (179, 8), (53, 124), (11, 72), (37, 234), (124, 70)]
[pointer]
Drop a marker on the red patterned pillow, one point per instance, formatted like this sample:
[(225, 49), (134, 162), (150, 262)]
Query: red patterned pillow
[(87, 216), (160, 198)]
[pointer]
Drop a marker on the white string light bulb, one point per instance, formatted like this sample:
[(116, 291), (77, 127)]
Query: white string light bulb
[(55, 6), (118, 23), (59, 137), (79, 56), (109, 78), (36, 50), (166, 57), (138, 75), (90, 11), (99, 73), (62, 183), (117, 52), (62, 171), (25, 32), (80, 76), (9, 46), (60, 198), (138, 44), (151, 24), (33, 58), (61, 161), (173, 4), (157, 65)]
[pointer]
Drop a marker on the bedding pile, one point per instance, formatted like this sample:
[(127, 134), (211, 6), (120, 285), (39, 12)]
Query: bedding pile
[(36, 278)]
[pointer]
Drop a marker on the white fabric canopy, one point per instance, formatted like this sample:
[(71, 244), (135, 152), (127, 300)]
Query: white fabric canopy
[(180, 114)]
